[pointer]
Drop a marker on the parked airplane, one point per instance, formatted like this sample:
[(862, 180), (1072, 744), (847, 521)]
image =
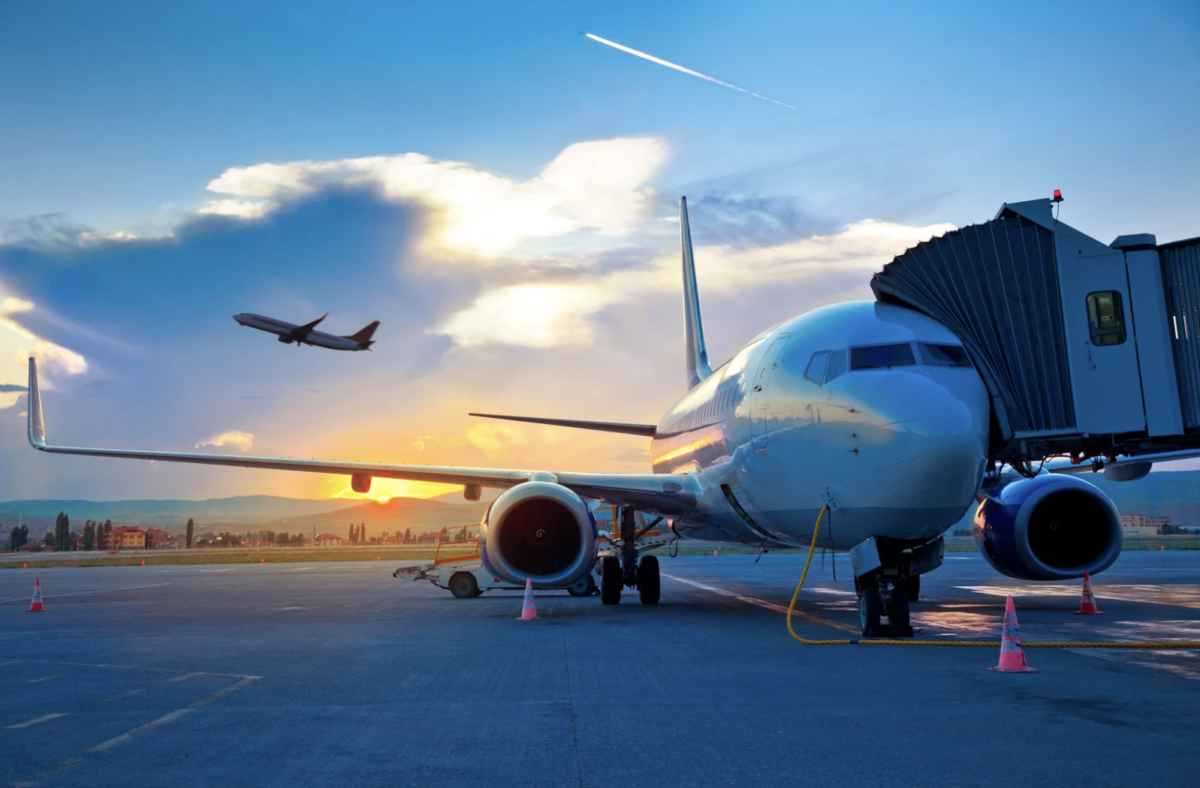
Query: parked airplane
[(306, 335), (870, 409)]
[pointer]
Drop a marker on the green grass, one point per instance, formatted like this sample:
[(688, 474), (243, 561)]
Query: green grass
[(229, 556)]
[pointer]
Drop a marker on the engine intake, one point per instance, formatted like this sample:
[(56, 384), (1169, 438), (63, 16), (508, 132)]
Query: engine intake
[(1048, 528), (542, 531)]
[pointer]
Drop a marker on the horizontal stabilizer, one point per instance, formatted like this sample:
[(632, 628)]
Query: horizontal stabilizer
[(600, 426)]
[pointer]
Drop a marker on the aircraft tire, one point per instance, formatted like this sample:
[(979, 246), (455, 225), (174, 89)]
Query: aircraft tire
[(463, 585), (898, 608), (585, 587), (611, 580), (648, 580), (870, 608)]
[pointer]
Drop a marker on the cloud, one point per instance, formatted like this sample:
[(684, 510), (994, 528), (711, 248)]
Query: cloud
[(563, 312), (494, 438), (18, 343), (599, 185), (242, 441)]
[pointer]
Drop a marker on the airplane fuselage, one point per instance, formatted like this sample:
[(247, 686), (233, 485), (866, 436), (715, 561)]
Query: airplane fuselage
[(290, 332), (889, 428)]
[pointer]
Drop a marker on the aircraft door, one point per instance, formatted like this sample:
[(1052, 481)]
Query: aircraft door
[(760, 402)]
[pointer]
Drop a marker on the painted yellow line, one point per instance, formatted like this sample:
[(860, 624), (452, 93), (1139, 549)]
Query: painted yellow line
[(768, 605), (34, 721)]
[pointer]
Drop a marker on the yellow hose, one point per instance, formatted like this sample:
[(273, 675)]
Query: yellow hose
[(893, 642)]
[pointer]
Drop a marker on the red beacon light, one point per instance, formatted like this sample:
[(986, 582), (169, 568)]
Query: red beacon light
[(1057, 196)]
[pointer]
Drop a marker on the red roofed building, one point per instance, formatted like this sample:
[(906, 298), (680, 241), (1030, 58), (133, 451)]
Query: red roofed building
[(158, 538), (329, 540)]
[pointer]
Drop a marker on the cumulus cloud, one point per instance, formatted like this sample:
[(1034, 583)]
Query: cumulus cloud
[(599, 185), (560, 313), (242, 441), (18, 344), (494, 438)]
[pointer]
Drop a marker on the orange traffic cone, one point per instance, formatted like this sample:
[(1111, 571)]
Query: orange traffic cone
[(143, 562), (1012, 656), (262, 560), (376, 558), (714, 553), (1087, 605), (36, 606), (25, 566), (528, 611)]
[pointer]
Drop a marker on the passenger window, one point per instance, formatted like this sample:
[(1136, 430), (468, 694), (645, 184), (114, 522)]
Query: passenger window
[(816, 367), (882, 356), (944, 355), (837, 365), (1106, 318)]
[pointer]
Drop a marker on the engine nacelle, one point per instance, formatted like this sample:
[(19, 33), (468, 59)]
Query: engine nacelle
[(539, 530), (1048, 528)]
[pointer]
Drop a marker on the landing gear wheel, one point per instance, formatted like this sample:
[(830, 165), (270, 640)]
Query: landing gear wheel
[(463, 585), (911, 586), (585, 587), (611, 580), (648, 580), (897, 609), (870, 608)]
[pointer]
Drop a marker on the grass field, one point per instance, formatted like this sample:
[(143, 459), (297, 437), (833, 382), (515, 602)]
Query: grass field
[(954, 544)]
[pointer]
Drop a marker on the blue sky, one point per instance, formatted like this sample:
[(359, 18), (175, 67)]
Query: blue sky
[(116, 120)]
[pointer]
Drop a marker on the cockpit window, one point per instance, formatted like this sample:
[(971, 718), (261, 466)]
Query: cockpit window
[(944, 355), (837, 365), (816, 367), (882, 356)]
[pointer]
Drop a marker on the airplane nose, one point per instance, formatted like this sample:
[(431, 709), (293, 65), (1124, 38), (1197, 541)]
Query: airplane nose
[(929, 438)]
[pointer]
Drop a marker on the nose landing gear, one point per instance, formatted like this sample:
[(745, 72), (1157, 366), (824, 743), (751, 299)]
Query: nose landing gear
[(878, 598)]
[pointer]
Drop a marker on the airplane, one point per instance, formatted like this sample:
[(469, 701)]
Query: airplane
[(870, 411), (306, 335)]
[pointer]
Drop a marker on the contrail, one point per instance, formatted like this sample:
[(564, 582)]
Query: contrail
[(680, 68)]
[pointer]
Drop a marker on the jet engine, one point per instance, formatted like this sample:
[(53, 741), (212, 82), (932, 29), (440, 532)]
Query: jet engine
[(539, 530), (1048, 528)]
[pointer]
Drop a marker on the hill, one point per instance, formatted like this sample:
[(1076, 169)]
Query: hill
[(418, 514)]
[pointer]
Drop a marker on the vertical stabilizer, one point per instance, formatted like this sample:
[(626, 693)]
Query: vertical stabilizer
[(693, 326)]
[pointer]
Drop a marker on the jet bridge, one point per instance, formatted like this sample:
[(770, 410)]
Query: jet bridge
[(1086, 349)]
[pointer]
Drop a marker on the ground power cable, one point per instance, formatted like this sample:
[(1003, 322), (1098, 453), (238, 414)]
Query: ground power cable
[(962, 643)]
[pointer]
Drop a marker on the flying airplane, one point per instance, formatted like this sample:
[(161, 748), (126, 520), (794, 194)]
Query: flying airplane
[(871, 410), (306, 334)]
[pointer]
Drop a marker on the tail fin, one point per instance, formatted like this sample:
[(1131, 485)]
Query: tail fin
[(364, 335), (697, 352)]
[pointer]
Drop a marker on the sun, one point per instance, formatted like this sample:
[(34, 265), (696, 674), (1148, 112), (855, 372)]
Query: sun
[(384, 498)]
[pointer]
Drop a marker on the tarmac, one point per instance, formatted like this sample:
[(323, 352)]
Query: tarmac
[(338, 674)]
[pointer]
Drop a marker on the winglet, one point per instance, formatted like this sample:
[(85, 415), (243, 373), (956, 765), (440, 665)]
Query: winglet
[(37, 428), (697, 352)]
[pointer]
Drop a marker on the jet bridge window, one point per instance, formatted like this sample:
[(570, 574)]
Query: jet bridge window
[(882, 356), (1106, 318), (816, 367), (943, 355)]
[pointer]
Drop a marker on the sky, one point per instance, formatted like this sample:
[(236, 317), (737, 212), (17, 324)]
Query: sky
[(501, 193)]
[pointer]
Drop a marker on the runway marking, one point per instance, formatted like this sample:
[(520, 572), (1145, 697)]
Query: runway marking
[(291, 608), (303, 568), (120, 695), (84, 593), (130, 735), (230, 569), (7, 662), (797, 613), (34, 721), (185, 676), (45, 678)]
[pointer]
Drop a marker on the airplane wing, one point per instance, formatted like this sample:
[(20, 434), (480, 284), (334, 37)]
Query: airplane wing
[(665, 494), (1098, 466), (308, 327), (600, 426)]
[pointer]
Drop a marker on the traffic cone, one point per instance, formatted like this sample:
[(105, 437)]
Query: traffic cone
[(376, 558), (1087, 605), (1012, 656), (528, 611), (36, 606), (143, 562), (714, 553), (25, 566), (262, 560)]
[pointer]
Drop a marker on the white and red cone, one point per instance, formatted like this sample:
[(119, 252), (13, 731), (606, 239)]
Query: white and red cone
[(36, 605), (1012, 655), (1087, 605), (528, 611)]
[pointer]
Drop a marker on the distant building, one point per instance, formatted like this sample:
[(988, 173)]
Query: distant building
[(1138, 525), (127, 537), (1159, 522), (329, 540), (157, 538)]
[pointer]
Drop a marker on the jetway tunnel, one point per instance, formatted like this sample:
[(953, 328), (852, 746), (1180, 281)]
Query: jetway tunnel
[(1086, 349)]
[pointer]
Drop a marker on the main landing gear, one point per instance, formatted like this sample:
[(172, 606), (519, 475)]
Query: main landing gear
[(627, 570)]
